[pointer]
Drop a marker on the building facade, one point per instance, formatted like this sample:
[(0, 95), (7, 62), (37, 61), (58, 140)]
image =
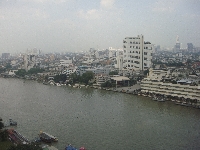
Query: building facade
[(137, 53)]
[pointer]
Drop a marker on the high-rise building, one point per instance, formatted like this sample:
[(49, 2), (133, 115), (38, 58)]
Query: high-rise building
[(177, 46), (5, 56), (137, 53), (190, 47)]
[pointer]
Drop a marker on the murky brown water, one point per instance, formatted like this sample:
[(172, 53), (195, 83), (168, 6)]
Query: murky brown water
[(98, 119)]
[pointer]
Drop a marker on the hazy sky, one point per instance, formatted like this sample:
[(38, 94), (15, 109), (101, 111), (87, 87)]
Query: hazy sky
[(77, 25)]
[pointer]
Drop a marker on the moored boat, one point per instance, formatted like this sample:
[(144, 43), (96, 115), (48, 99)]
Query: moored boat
[(12, 122), (45, 137), (161, 100), (16, 137), (70, 147)]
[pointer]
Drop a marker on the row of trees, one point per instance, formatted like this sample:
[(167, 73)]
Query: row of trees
[(75, 78), (22, 72)]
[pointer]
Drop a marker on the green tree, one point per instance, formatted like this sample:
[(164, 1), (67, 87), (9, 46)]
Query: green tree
[(86, 77), (107, 84), (1, 125), (61, 77), (21, 72), (146, 72), (35, 70), (25, 147), (74, 78), (8, 66), (113, 73), (3, 135)]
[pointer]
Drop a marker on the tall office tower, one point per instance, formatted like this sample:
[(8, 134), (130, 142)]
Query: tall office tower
[(5, 56), (137, 53), (190, 47), (177, 46)]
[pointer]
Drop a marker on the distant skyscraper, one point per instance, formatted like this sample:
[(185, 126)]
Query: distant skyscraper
[(177, 46), (5, 56), (190, 47), (137, 53)]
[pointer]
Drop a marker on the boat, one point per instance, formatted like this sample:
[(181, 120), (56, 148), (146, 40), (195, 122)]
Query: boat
[(70, 147), (154, 98), (58, 84), (48, 147), (12, 122), (161, 100), (16, 137), (178, 102), (45, 137)]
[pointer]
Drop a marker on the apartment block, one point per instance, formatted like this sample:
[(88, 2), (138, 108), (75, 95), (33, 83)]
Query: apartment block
[(137, 53)]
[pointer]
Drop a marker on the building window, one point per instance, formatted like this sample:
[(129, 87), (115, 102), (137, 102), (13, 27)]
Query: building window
[(130, 46), (124, 51), (145, 53), (124, 46), (145, 58), (136, 47)]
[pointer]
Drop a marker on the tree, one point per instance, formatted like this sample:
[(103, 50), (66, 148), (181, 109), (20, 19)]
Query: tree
[(3, 135), (61, 77), (35, 70), (8, 66), (113, 73), (1, 125), (74, 78), (25, 147), (86, 77), (21, 72), (106, 84), (146, 72)]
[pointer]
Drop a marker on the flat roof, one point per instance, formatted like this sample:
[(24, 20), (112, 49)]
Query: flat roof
[(120, 78)]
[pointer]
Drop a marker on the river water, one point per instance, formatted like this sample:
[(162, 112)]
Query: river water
[(98, 119)]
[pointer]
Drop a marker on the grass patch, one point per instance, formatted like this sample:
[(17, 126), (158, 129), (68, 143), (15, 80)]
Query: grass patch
[(5, 145)]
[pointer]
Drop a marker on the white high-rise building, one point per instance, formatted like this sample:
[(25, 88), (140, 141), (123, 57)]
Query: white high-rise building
[(137, 53)]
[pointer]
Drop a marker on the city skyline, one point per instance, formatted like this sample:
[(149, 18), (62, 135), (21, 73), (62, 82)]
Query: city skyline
[(69, 25)]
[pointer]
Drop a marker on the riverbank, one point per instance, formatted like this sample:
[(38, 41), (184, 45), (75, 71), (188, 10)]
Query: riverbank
[(92, 118), (4, 145)]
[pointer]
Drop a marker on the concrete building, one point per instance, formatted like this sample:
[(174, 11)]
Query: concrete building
[(137, 53), (177, 45), (5, 56), (190, 47), (29, 61), (65, 62)]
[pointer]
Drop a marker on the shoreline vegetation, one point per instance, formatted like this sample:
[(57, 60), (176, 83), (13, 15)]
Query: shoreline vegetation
[(85, 82)]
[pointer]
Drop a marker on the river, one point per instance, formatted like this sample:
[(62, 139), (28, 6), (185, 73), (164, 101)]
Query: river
[(98, 119)]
